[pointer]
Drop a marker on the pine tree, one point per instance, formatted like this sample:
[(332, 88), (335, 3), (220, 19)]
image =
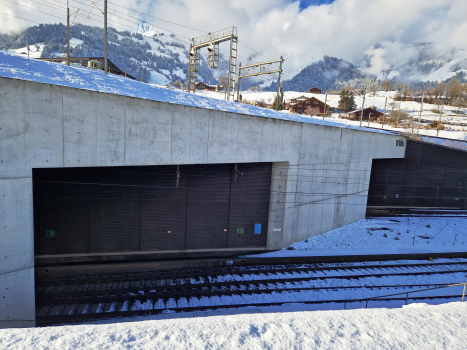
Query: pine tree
[(347, 101), (275, 103)]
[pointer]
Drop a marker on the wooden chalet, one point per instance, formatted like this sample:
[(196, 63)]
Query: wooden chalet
[(301, 104), (368, 112), (315, 90), (83, 61), (203, 86)]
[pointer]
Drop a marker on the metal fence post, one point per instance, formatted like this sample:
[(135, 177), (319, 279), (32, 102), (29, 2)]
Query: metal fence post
[(406, 298)]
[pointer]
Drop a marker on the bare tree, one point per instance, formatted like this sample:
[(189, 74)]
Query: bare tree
[(223, 81), (375, 86), (405, 90), (255, 88), (365, 83), (439, 90), (459, 102), (387, 84), (454, 89)]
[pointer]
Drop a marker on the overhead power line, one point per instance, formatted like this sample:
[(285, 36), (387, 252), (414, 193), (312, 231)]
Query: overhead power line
[(8, 14), (119, 25), (160, 19)]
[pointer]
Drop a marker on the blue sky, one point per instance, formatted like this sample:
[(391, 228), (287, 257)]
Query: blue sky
[(306, 3)]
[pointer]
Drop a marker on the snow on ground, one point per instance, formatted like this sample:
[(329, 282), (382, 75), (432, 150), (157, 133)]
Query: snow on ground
[(75, 42), (379, 101), (416, 326), (19, 67), (158, 78), (34, 52), (386, 235)]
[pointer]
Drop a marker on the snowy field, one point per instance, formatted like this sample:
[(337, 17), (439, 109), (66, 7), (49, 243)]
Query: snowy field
[(386, 235), (458, 132), (416, 326)]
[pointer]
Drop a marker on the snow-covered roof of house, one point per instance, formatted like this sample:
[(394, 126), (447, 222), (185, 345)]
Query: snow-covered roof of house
[(21, 68), (368, 108)]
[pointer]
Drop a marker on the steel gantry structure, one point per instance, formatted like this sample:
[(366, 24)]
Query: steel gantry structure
[(261, 72), (212, 41)]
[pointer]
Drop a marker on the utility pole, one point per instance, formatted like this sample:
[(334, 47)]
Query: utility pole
[(67, 34), (239, 84), (325, 100), (399, 113), (27, 43), (363, 106), (384, 114), (439, 121), (105, 36), (420, 114), (278, 84)]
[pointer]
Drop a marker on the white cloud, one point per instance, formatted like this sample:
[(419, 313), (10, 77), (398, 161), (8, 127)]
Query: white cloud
[(349, 29)]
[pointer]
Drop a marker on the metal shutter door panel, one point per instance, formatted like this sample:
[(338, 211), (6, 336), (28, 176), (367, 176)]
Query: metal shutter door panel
[(249, 204), (163, 209), (208, 206)]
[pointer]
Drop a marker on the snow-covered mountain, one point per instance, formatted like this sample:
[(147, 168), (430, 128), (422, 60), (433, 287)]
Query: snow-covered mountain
[(175, 47), (162, 58), (145, 52), (416, 62), (323, 74)]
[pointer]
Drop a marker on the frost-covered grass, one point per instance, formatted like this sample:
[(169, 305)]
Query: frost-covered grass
[(417, 326)]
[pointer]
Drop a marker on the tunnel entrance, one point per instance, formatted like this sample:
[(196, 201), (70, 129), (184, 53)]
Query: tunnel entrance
[(100, 210)]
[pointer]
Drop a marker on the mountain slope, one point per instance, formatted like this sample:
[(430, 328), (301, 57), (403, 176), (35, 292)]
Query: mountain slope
[(323, 74), (146, 54)]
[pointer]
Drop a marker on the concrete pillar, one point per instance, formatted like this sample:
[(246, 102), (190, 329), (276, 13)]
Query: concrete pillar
[(17, 306)]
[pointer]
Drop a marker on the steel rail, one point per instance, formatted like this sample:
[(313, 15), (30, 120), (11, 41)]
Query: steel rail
[(154, 295), (60, 319), (149, 275), (139, 289)]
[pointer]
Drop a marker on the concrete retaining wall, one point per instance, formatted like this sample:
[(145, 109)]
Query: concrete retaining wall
[(319, 182)]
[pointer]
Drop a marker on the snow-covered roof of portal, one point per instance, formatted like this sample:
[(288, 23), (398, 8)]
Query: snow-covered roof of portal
[(19, 67)]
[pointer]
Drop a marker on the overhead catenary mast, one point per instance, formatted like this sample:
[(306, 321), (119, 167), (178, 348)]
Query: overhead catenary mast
[(105, 36), (212, 41), (93, 4), (261, 72), (68, 27)]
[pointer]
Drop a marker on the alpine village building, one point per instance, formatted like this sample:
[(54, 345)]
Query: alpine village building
[(299, 105)]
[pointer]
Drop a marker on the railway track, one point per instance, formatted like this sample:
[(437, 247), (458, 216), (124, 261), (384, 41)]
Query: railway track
[(83, 298)]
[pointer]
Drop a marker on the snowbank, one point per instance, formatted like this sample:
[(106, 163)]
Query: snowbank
[(418, 326)]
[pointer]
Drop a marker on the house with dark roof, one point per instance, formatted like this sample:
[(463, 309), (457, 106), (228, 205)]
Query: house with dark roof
[(300, 105), (84, 62), (315, 90), (368, 113)]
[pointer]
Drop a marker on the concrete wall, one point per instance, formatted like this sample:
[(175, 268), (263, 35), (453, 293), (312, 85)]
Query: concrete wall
[(319, 182)]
